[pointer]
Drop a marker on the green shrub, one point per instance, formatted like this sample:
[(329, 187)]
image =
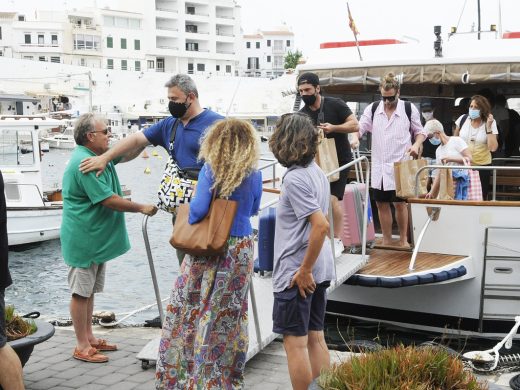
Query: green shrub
[(400, 368)]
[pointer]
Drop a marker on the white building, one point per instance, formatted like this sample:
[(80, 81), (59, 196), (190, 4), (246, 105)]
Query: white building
[(263, 53), (194, 37), (175, 36)]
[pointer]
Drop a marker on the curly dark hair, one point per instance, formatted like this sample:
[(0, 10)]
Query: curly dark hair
[(295, 140)]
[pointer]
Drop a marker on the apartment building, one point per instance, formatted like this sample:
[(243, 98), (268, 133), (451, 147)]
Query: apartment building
[(195, 36), (263, 53)]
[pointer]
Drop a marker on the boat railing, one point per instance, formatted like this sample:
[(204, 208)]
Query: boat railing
[(271, 164), (492, 168), (433, 213)]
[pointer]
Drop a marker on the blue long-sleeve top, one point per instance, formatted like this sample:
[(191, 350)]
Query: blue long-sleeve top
[(248, 195)]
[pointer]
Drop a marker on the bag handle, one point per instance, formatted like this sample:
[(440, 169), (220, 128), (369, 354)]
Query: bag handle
[(321, 116)]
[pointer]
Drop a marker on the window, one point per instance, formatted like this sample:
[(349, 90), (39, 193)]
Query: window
[(21, 18), (288, 43), (54, 40), (27, 38), (248, 45), (268, 58), (268, 43), (192, 46), (138, 65), (82, 62), (79, 42), (1, 53), (110, 63), (137, 44), (123, 43), (278, 45), (190, 10), (28, 57), (228, 68), (191, 28), (252, 63), (110, 42), (201, 67), (218, 68), (0, 32), (41, 39), (121, 22), (124, 65), (258, 45), (278, 62), (42, 58), (190, 68), (151, 64), (56, 59)]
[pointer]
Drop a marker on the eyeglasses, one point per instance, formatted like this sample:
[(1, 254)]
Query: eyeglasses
[(105, 131), (389, 98)]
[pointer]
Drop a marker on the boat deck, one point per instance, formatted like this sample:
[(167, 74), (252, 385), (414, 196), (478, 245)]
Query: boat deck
[(387, 262)]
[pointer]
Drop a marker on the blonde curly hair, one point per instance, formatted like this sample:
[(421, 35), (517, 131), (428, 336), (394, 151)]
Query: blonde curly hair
[(232, 150)]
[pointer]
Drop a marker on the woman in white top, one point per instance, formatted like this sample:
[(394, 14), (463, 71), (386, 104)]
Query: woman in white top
[(479, 130), (451, 151)]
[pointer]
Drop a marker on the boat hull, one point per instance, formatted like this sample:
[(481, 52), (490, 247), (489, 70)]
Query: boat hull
[(33, 224)]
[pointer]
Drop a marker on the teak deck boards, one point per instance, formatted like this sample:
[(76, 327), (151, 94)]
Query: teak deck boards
[(386, 262)]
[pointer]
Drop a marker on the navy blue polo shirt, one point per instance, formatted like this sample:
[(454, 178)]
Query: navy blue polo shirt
[(187, 139)]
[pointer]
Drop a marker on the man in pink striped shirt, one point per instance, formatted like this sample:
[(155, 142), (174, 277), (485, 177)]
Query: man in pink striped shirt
[(392, 133)]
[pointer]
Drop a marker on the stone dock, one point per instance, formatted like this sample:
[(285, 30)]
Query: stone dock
[(51, 365)]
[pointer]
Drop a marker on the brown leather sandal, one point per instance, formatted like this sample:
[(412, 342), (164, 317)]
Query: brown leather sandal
[(92, 356)]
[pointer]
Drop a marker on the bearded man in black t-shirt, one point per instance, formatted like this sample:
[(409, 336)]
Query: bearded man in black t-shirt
[(337, 122)]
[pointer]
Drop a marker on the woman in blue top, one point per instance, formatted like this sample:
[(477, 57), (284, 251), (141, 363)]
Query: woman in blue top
[(205, 338)]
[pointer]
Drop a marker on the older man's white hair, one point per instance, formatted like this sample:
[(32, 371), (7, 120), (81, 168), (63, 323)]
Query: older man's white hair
[(433, 126)]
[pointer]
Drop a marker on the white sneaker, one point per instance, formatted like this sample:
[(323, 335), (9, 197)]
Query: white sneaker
[(338, 247)]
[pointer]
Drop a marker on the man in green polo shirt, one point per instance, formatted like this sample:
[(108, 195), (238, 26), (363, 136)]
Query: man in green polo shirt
[(93, 230)]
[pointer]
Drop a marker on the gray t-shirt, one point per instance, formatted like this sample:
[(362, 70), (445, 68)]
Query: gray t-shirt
[(305, 190)]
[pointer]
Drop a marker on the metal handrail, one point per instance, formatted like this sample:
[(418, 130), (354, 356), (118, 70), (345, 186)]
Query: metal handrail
[(475, 167), (272, 163)]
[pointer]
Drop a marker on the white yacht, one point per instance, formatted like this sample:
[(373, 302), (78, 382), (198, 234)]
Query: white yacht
[(32, 214), (463, 276), (61, 140)]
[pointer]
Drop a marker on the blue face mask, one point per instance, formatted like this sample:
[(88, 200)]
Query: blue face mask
[(435, 141), (473, 113)]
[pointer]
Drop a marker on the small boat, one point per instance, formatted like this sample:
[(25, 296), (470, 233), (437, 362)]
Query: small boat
[(63, 140), (33, 214)]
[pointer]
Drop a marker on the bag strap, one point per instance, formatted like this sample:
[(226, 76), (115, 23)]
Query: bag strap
[(172, 135), (321, 116), (462, 120)]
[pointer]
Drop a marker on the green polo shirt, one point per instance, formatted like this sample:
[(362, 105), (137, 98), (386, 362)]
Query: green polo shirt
[(90, 232)]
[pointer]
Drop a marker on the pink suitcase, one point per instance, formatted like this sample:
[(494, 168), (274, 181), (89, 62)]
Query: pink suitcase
[(353, 203)]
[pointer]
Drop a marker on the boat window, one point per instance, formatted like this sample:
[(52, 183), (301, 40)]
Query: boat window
[(12, 191), (16, 147)]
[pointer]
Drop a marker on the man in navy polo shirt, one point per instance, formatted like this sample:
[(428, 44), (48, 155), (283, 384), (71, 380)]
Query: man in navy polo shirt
[(194, 120)]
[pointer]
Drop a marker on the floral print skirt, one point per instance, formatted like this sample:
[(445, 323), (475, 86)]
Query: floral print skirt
[(204, 337)]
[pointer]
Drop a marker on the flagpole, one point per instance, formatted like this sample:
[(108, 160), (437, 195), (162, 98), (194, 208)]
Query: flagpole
[(354, 31)]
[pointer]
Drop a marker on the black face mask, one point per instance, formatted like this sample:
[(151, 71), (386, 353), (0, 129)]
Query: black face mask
[(309, 100), (178, 109)]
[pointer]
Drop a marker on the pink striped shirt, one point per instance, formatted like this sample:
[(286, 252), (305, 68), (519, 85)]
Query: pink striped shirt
[(390, 140)]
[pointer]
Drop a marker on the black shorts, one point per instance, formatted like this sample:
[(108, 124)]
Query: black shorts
[(3, 338), (337, 188), (294, 315), (385, 196)]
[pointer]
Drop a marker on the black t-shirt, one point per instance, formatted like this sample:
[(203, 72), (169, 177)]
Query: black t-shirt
[(5, 277), (429, 149), (335, 112)]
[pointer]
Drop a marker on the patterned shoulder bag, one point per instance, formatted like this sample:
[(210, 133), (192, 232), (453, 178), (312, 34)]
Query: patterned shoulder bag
[(176, 187)]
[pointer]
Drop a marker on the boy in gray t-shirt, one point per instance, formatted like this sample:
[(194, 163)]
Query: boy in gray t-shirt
[(303, 264)]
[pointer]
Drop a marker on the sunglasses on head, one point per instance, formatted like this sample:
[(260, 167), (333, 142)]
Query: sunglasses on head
[(389, 98)]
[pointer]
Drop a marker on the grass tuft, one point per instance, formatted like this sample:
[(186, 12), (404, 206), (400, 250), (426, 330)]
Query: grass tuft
[(17, 327)]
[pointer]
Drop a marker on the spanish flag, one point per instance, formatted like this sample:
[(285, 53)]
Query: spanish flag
[(351, 23)]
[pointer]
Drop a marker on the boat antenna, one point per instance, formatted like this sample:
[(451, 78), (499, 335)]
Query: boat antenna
[(354, 29), (458, 21), (500, 18)]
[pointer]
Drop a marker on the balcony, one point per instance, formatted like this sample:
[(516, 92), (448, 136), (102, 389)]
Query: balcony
[(224, 51), (168, 47)]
